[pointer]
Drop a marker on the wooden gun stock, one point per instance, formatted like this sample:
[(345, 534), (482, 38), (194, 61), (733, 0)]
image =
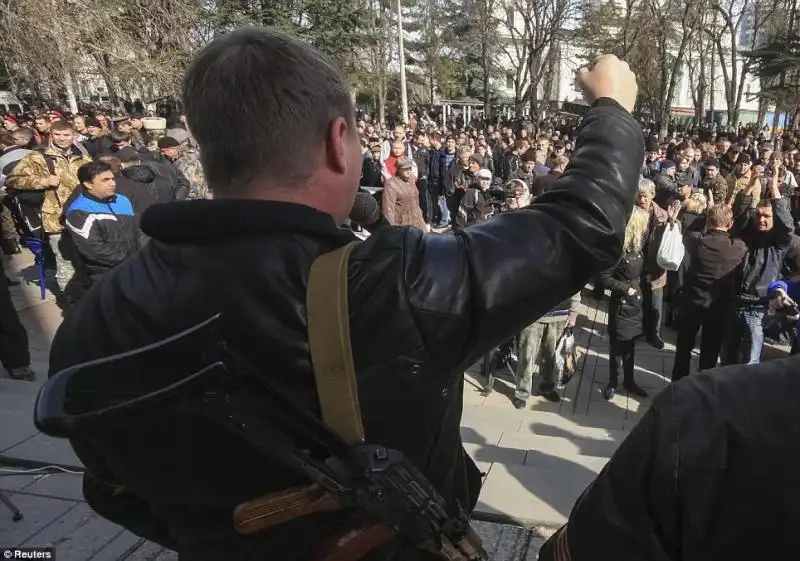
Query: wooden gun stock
[(270, 510)]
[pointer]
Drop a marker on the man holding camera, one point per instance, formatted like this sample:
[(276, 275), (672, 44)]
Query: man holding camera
[(421, 308)]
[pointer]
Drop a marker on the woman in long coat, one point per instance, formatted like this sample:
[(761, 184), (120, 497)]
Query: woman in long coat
[(625, 307), (400, 198)]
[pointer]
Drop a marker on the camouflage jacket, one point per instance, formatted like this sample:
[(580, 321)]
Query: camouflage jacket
[(738, 183), (33, 170), (718, 188), (188, 163)]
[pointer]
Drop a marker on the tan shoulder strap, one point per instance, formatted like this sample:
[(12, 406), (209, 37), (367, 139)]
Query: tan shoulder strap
[(329, 341)]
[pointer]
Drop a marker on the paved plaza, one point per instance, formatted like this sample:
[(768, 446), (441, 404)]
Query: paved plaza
[(537, 461)]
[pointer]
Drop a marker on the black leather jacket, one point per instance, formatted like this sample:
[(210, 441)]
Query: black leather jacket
[(422, 309), (709, 474)]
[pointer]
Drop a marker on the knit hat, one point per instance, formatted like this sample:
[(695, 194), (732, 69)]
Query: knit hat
[(666, 164), (744, 159), (10, 119), (404, 162), (92, 122), (167, 142), (128, 154), (712, 163), (483, 174)]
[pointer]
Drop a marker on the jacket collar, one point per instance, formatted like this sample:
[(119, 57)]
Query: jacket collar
[(53, 151), (88, 195), (13, 148), (209, 220)]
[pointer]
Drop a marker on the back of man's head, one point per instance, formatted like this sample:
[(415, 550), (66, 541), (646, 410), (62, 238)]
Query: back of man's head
[(119, 136), (6, 139), (114, 163), (720, 217), (259, 102), (22, 136)]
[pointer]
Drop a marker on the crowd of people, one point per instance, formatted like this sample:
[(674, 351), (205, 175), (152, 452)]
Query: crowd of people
[(80, 183), (75, 186), (734, 196)]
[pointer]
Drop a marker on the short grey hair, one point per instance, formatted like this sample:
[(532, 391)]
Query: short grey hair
[(647, 186), (257, 101)]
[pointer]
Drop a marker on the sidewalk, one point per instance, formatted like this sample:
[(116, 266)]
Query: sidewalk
[(538, 461)]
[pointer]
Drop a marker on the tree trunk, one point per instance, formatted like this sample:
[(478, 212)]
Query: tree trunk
[(381, 99), (702, 86), (69, 87), (547, 97), (487, 102), (762, 111), (776, 117)]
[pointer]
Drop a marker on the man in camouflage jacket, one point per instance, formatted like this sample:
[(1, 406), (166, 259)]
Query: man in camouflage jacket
[(53, 171), (187, 161)]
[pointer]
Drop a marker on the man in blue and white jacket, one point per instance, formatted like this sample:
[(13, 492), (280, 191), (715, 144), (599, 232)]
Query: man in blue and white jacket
[(101, 222)]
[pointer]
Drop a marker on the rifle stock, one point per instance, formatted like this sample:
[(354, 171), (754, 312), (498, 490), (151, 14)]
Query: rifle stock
[(270, 510)]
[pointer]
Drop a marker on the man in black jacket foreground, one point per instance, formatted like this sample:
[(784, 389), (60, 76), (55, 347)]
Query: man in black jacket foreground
[(709, 473), (422, 307)]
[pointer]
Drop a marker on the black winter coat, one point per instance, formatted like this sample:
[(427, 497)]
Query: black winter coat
[(624, 310), (709, 473), (422, 309), (136, 183), (99, 145)]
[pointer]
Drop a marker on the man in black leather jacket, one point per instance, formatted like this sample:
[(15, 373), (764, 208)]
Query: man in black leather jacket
[(422, 307), (709, 474)]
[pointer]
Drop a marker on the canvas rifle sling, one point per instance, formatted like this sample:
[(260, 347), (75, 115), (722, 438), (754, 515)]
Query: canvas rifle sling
[(329, 342)]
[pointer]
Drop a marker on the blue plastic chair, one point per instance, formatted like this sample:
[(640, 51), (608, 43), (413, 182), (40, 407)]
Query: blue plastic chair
[(36, 246)]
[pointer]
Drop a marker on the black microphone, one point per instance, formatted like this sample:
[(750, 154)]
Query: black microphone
[(366, 213)]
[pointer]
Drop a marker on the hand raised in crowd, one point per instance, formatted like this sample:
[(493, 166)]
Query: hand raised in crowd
[(673, 209), (608, 76)]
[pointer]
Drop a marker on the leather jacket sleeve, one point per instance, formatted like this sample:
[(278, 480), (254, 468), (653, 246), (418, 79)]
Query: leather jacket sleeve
[(472, 290), (783, 226)]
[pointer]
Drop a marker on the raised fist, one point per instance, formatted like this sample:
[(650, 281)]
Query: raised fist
[(608, 76)]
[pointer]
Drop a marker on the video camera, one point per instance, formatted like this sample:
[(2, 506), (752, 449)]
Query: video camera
[(496, 197)]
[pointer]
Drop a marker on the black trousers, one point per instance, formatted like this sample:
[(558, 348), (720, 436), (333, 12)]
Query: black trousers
[(621, 357), (13, 337), (425, 199), (691, 320), (653, 310), (453, 202)]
